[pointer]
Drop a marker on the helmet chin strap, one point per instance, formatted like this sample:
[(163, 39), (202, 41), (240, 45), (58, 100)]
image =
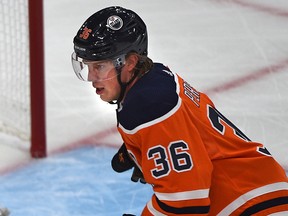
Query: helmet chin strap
[(123, 85)]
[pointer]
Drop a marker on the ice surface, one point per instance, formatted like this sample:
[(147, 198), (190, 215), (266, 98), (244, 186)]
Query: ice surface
[(79, 182)]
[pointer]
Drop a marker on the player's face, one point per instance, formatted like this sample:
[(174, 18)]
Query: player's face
[(103, 75), (109, 88)]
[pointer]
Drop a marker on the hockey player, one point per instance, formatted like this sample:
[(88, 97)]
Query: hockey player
[(197, 161)]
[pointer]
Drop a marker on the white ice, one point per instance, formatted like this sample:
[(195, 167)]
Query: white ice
[(235, 50)]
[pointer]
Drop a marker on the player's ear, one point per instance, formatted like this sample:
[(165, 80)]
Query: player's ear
[(131, 61)]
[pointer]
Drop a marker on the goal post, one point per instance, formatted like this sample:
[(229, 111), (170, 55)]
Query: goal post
[(37, 79), (22, 78)]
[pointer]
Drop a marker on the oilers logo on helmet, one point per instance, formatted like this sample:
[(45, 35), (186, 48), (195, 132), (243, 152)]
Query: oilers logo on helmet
[(114, 22)]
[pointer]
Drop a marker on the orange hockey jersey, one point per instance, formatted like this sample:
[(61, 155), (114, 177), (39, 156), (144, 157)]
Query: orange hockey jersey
[(196, 160)]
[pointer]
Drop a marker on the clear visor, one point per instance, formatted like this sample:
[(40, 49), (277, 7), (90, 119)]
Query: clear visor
[(96, 71)]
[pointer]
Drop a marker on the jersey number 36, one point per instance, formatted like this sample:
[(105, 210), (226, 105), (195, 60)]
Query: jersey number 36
[(176, 154)]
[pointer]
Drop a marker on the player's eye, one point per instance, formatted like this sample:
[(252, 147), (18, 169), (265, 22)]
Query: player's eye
[(101, 67)]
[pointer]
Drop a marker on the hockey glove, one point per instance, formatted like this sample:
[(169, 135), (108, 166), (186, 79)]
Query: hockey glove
[(121, 161)]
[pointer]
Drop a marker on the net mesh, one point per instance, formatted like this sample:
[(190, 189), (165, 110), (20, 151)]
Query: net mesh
[(14, 69)]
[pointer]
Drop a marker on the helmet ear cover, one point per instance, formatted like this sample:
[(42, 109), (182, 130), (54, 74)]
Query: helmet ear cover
[(109, 33)]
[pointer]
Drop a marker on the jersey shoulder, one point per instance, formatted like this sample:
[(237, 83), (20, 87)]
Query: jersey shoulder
[(151, 97)]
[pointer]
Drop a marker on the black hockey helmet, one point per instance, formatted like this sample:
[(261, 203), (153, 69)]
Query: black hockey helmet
[(109, 33)]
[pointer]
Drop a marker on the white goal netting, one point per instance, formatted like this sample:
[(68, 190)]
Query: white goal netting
[(14, 69)]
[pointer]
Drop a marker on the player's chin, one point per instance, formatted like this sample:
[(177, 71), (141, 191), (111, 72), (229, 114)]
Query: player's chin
[(103, 98), (107, 98)]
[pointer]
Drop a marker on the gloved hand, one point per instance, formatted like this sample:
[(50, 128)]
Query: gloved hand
[(121, 162)]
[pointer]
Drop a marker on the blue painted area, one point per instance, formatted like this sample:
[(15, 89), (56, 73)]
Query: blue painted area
[(79, 182)]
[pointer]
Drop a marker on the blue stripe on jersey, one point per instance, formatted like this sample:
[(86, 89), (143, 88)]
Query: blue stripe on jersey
[(151, 97)]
